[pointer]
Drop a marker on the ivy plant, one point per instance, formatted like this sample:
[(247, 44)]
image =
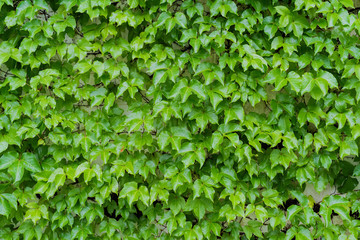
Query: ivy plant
[(179, 119)]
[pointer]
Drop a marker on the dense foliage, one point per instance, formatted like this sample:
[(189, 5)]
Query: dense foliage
[(169, 119)]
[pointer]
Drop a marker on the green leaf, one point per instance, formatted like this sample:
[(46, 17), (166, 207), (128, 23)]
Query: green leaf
[(347, 3), (355, 132), (10, 19), (17, 170), (181, 132), (252, 227), (162, 19), (176, 203), (216, 140), (31, 163), (171, 171), (270, 30), (98, 67), (277, 43), (302, 117), (325, 160), (261, 213), (181, 19), (144, 195), (304, 234), (11, 199), (130, 192), (236, 112), (331, 80), (41, 187), (348, 147), (282, 157), (198, 89), (357, 170), (81, 168), (133, 3), (5, 54), (8, 159), (83, 66), (199, 206), (349, 185), (292, 211), (282, 10), (305, 173), (5, 208)]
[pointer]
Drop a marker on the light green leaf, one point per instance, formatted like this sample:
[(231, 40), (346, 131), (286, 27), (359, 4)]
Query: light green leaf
[(8, 159), (331, 80), (261, 213), (11, 199), (181, 19), (17, 170), (292, 211), (31, 163), (83, 66), (348, 3)]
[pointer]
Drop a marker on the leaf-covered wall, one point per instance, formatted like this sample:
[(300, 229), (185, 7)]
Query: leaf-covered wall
[(179, 119)]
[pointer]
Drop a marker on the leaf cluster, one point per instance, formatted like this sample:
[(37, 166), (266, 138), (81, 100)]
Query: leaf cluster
[(170, 119)]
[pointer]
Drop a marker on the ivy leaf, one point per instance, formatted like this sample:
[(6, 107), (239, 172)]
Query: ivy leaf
[(176, 203), (4, 54), (199, 206), (98, 67), (305, 173), (292, 211), (3, 147), (261, 213), (216, 140), (330, 79), (10, 19), (181, 19), (130, 192), (5, 208), (83, 66), (181, 132), (357, 170), (252, 227), (98, 96), (31, 163), (304, 234), (347, 3), (236, 112), (133, 3), (11, 199), (8, 159), (348, 147), (162, 18), (282, 157), (17, 170), (144, 195)]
